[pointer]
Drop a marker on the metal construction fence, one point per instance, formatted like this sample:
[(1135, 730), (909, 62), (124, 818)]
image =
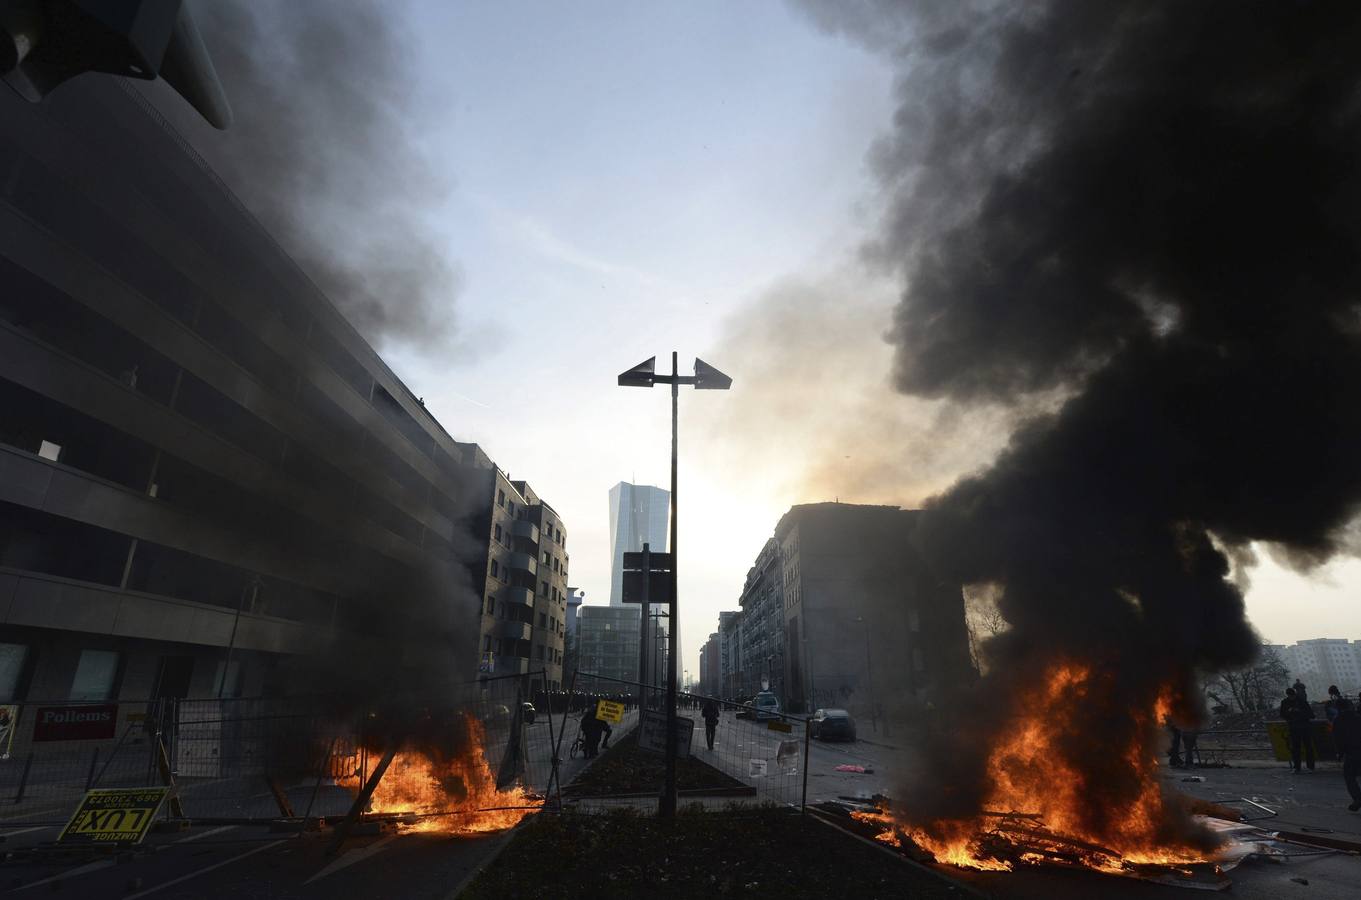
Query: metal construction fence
[(750, 758), (261, 759)]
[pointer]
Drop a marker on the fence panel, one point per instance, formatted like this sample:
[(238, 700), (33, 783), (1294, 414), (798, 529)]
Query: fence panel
[(258, 759)]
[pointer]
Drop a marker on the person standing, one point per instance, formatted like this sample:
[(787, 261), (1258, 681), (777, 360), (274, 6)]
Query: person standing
[(1347, 740), (1299, 719), (710, 713), (1336, 703), (590, 731)]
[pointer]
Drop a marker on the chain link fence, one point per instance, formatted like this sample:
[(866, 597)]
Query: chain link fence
[(261, 759), (733, 757)]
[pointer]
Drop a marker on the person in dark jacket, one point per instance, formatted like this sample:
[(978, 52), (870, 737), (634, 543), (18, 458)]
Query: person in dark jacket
[(591, 728), (1347, 738), (1299, 718), (710, 713), (1336, 703)]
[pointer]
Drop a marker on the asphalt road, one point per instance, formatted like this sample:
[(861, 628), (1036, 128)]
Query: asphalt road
[(242, 862), (252, 862)]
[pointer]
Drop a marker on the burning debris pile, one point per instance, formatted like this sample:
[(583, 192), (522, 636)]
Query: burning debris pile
[(1136, 222), (449, 787)]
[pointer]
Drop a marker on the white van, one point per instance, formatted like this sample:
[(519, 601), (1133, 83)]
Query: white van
[(767, 706)]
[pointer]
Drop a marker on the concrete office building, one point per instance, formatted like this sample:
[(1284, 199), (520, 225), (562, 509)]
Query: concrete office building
[(730, 652), (762, 650), (607, 643), (867, 625), (639, 514), (203, 466), (710, 669), (1322, 662), (524, 614)]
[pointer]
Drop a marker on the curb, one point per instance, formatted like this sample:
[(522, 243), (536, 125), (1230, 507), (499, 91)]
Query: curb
[(881, 744), (503, 840)]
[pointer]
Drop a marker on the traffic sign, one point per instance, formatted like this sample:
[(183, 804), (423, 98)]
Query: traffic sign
[(609, 711), (658, 577), (114, 816)]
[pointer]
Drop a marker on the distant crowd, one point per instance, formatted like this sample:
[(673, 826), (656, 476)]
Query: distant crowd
[(1342, 724)]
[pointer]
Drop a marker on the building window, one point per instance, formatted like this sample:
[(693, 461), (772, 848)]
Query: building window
[(553, 623), (555, 564), (501, 500), (486, 643), (543, 620), (545, 588), (914, 620), (12, 659), (491, 604), (511, 508), (547, 558), (96, 674), (495, 568), (918, 664), (496, 532)]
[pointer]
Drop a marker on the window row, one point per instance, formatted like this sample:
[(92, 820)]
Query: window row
[(36, 541)]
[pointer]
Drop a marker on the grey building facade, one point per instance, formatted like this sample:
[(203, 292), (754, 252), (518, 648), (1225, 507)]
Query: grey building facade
[(524, 612), (203, 467), (867, 625), (607, 641), (762, 652)]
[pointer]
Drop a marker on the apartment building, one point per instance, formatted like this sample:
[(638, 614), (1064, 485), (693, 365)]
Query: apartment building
[(203, 467)]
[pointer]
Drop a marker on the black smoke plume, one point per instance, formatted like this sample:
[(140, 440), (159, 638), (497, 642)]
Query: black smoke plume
[(324, 151), (1152, 210)]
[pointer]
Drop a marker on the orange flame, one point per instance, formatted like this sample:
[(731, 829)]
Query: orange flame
[(457, 795), (1030, 774)]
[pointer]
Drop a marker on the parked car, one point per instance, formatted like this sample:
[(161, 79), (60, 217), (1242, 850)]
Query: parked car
[(833, 725), (746, 709), (767, 706), (528, 711)]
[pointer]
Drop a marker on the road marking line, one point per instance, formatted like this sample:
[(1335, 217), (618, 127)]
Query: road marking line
[(31, 812), (10, 834), (351, 857), (205, 870), (203, 834), (92, 867)]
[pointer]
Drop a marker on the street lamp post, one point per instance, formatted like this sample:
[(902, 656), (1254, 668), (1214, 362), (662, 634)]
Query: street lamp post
[(706, 377)]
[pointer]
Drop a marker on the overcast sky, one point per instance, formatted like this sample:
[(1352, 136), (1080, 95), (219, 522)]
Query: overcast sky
[(630, 179)]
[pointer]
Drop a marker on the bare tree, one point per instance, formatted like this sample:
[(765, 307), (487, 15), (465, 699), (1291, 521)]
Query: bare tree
[(983, 619), (1253, 688)]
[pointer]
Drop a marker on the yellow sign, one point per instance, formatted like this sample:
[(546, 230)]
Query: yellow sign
[(609, 711), (775, 725), (114, 815)]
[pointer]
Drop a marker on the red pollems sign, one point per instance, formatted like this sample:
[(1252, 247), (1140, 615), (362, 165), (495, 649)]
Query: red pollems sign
[(75, 723)]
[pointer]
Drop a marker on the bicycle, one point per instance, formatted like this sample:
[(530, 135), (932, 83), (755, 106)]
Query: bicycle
[(578, 745)]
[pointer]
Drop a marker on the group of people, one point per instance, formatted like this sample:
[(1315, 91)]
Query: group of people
[(1343, 721)]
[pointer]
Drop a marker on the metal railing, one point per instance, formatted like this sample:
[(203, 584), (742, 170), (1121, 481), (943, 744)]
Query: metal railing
[(262, 759)]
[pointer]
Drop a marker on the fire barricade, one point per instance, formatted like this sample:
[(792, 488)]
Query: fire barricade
[(235, 760)]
